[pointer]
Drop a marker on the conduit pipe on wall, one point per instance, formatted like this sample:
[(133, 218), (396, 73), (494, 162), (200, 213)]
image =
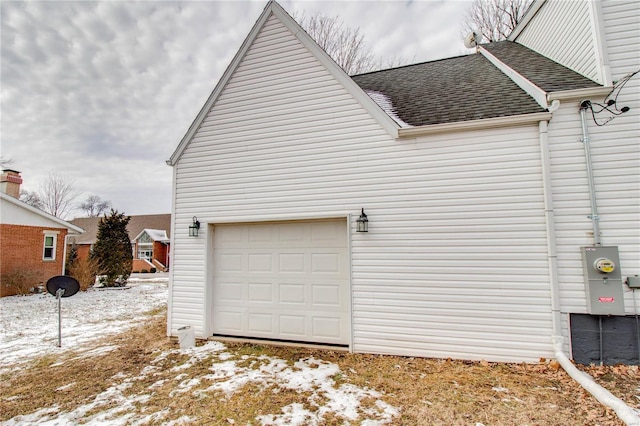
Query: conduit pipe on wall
[(595, 219), (622, 410)]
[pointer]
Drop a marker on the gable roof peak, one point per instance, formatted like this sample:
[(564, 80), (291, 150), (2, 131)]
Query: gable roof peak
[(274, 8)]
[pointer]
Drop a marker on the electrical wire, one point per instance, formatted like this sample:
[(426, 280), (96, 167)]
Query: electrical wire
[(611, 101), (617, 87)]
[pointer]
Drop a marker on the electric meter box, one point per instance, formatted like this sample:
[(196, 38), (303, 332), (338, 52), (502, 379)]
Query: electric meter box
[(603, 280)]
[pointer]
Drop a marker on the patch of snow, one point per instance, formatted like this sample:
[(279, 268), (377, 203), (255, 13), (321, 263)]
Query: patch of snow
[(385, 103), (29, 330), (500, 389), (65, 387), (29, 324)]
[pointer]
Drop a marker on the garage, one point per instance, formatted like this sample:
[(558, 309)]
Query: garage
[(282, 280)]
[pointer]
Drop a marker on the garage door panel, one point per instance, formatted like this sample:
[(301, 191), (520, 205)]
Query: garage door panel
[(229, 291), (292, 262), (293, 327), (261, 293), (326, 295), (286, 280), (230, 322)]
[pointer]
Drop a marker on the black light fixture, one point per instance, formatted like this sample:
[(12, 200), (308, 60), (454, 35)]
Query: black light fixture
[(362, 222), (193, 228)]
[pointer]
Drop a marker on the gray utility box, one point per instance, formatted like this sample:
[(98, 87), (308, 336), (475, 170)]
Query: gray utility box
[(603, 280)]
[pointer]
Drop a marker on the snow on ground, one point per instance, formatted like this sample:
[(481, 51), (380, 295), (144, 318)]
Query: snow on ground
[(311, 376), (29, 324), (29, 327)]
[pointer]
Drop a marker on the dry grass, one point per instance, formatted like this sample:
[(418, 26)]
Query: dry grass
[(427, 391), (84, 271)]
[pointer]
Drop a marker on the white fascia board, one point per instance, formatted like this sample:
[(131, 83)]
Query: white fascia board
[(539, 95), (273, 7), (591, 92), (74, 230), (388, 123), (487, 123), (531, 12)]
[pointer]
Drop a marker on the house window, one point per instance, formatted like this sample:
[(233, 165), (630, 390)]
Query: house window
[(49, 251), (145, 254)]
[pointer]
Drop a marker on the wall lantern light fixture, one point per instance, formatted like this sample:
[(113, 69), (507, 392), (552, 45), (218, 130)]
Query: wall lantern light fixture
[(193, 228), (362, 222)]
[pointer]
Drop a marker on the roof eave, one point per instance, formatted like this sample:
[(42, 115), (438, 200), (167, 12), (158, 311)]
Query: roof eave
[(486, 123), (76, 230)]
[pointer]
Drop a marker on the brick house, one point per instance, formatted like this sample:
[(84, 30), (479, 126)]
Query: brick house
[(149, 235), (33, 242)]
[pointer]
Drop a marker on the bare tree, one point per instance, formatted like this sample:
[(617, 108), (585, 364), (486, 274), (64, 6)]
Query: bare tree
[(4, 163), (32, 198), (58, 195), (344, 44), (494, 19), (94, 206)]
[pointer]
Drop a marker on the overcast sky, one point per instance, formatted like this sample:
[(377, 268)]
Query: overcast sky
[(103, 92)]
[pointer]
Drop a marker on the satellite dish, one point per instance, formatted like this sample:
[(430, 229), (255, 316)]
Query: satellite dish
[(62, 286), (472, 40), (69, 285)]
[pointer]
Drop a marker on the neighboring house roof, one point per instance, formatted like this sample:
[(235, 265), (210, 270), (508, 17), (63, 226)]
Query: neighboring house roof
[(159, 235), (449, 90), (16, 212), (548, 75), (136, 225)]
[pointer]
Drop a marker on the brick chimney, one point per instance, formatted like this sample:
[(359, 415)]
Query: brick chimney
[(10, 182)]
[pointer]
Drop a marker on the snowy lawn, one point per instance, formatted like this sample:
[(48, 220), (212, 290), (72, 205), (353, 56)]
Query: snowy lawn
[(117, 367), (29, 324), (30, 331)]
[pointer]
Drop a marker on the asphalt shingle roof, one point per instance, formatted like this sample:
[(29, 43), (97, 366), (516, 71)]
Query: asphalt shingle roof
[(548, 75), (450, 90), (136, 225)]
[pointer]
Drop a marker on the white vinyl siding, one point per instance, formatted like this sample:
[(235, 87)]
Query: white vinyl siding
[(616, 161), (562, 31), (619, 159), (616, 167), (455, 260)]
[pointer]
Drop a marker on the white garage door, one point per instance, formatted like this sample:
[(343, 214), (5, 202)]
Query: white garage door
[(282, 280)]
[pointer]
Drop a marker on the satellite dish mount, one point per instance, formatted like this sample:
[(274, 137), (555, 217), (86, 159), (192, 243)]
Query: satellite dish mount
[(62, 286), (473, 40)]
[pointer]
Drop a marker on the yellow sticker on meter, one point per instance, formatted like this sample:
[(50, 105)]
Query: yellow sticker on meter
[(604, 265)]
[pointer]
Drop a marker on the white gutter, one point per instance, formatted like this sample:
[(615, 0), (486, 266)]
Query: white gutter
[(591, 92), (486, 123), (627, 414)]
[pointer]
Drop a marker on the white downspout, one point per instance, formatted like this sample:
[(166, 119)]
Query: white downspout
[(552, 259), (64, 253), (627, 414)]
